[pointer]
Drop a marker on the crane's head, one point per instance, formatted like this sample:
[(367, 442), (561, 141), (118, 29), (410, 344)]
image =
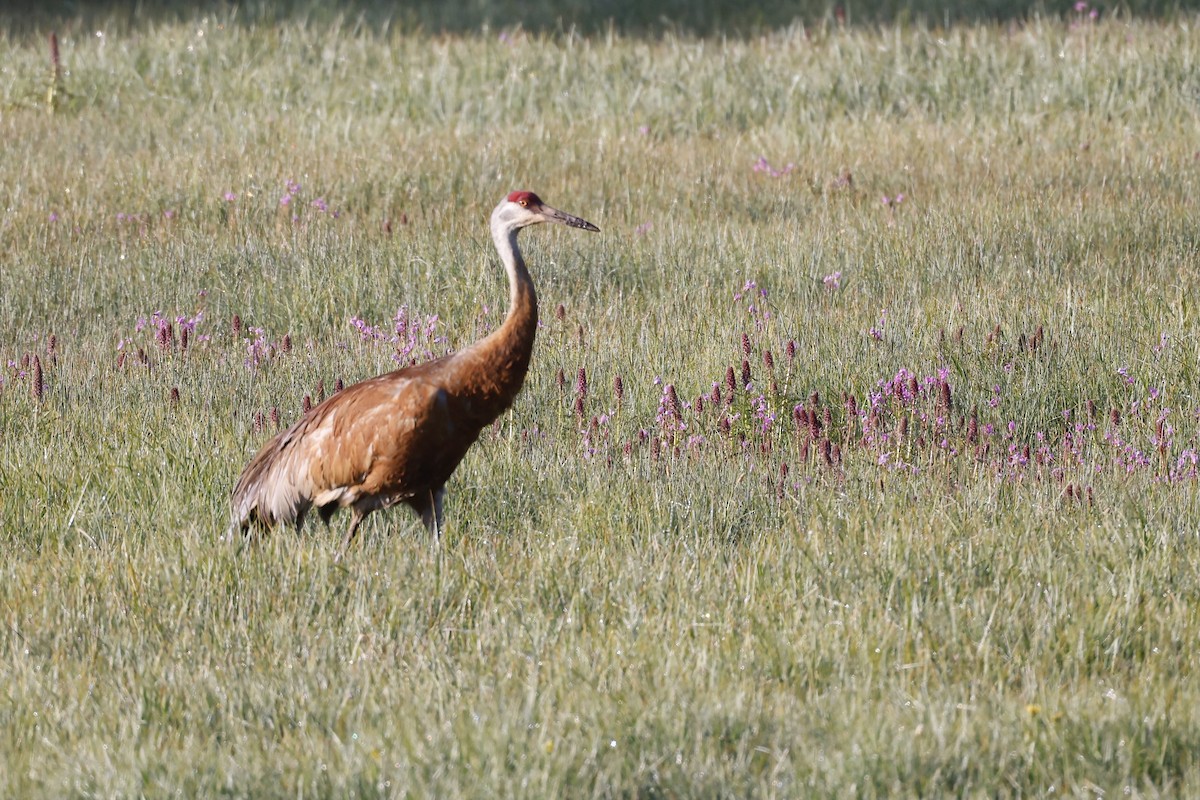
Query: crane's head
[(521, 209)]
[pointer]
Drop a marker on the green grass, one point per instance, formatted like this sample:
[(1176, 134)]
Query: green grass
[(637, 602)]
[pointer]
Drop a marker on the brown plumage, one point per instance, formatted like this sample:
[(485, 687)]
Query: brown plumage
[(397, 438)]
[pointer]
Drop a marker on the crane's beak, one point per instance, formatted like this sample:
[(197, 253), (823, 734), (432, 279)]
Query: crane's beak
[(554, 215)]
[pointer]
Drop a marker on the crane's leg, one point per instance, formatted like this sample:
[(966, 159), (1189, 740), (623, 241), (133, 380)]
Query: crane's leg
[(239, 537), (431, 513), (356, 518)]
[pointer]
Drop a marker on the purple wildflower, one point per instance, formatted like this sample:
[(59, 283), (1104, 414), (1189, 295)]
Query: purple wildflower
[(762, 165)]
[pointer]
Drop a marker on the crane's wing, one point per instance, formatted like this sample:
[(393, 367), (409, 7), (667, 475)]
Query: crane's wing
[(372, 439)]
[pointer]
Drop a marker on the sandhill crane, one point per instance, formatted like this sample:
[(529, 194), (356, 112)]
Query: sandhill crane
[(398, 437)]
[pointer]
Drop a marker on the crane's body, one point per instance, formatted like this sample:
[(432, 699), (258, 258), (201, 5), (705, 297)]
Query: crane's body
[(398, 438)]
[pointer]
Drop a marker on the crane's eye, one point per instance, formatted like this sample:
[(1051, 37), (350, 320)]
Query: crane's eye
[(524, 204)]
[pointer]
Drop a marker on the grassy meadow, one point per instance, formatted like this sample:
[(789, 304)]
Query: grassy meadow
[(897, 497)]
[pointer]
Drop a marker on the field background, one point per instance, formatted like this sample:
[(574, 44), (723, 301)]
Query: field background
[(942, 541)]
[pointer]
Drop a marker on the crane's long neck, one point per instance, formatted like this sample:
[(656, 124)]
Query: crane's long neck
[(515, 336), (495, 366)]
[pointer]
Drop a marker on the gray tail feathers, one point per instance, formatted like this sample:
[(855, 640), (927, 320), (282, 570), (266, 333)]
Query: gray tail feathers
[(244, 502), (265, 495)]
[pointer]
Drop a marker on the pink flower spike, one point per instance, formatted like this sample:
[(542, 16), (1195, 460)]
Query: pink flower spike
[(230, 197)]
